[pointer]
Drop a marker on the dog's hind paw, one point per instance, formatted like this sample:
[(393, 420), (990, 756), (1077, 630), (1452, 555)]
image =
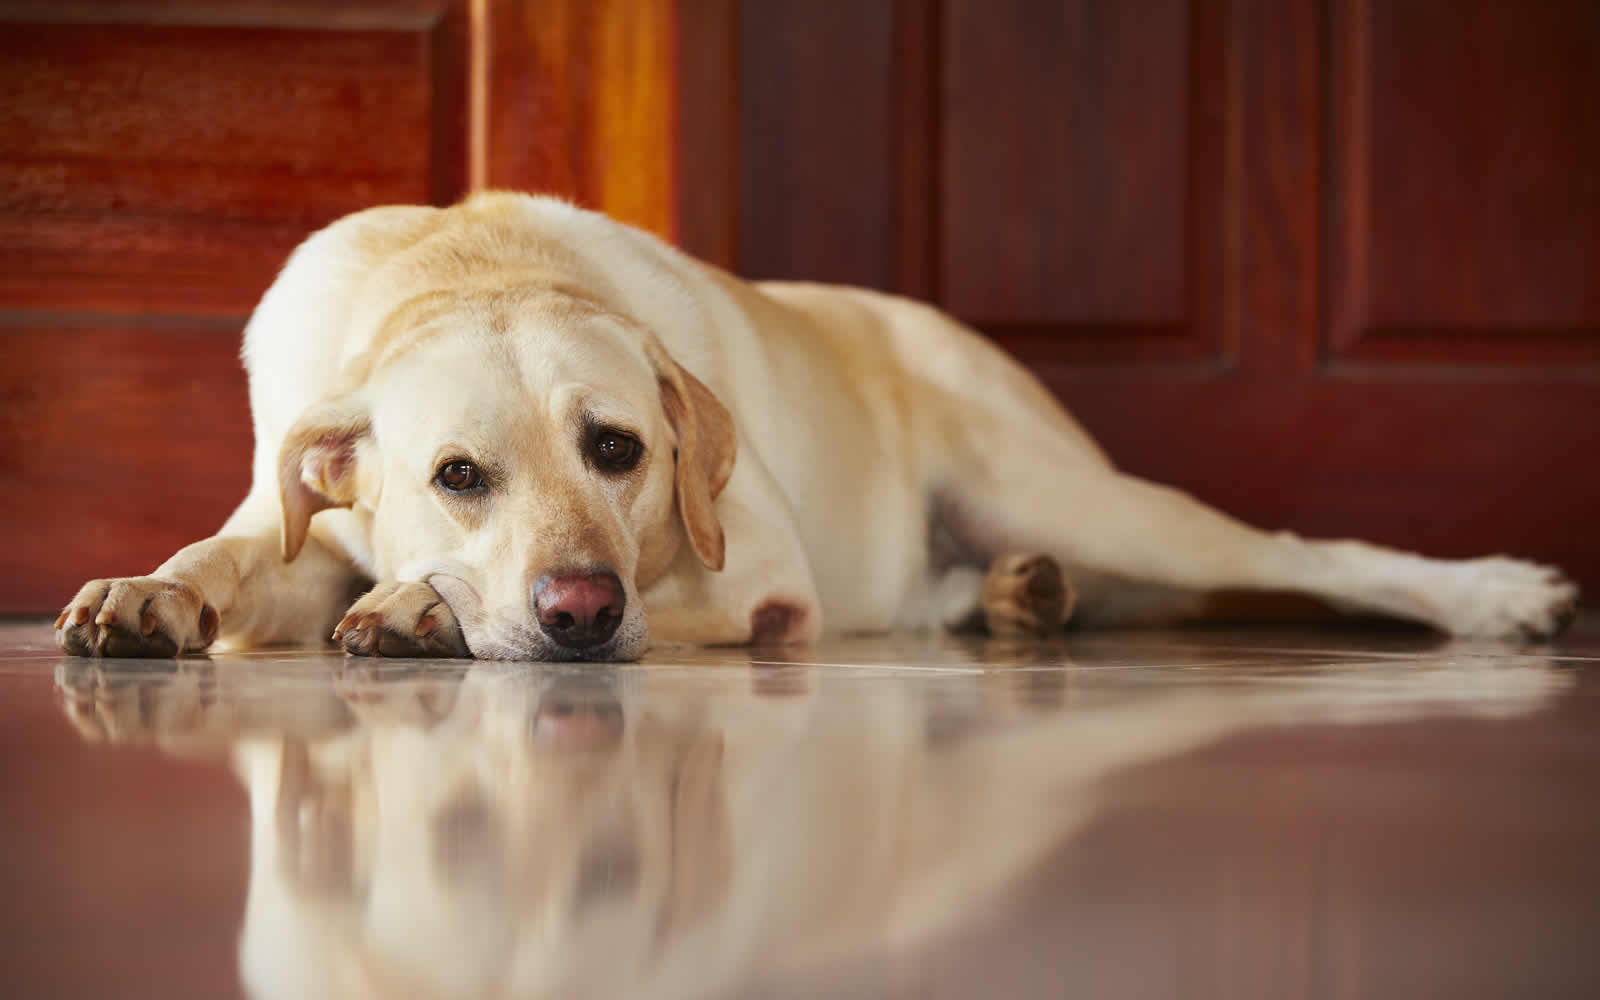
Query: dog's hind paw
[(401, 619), (1025, 594), (1501, 597), (136, 616)]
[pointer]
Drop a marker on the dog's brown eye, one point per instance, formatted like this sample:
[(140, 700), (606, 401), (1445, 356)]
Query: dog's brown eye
[(459, 476), (615, 452)]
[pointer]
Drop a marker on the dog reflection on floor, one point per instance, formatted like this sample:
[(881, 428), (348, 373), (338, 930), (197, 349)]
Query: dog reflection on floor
[(477, 835), (495, 830)]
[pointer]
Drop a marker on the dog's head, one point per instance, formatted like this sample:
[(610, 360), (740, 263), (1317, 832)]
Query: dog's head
[(535, 455)]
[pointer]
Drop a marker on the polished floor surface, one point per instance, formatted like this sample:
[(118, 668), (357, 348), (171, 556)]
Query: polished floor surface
[(1209, 814)]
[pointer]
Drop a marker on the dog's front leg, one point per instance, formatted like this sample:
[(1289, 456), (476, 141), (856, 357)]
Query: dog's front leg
[(236, 585)]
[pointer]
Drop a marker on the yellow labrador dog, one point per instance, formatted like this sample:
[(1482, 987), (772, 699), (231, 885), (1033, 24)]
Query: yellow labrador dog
[(546, 435)]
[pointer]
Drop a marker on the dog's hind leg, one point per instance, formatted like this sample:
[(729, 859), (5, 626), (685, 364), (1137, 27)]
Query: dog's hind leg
[(1012, 472), (1104, 526)]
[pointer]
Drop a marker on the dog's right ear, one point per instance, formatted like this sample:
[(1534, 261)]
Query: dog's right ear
[(317, 466)]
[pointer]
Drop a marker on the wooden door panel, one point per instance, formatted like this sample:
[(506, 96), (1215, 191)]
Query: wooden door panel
[(122, 443), (1466, 182), (172, 166), (817, 132), (1083, 191), (964, 153), (1065, 154)]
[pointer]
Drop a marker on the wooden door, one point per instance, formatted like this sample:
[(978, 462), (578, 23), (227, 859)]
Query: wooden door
[(1332, 266)]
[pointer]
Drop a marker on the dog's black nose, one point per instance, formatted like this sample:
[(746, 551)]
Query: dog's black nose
[(579, 610)]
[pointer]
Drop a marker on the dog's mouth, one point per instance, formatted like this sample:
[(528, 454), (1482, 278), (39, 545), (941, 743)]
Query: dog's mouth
[(499, 637), (522, 644)]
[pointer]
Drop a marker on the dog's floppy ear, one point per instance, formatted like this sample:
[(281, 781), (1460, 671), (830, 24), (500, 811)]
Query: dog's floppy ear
[(317, 466), (707, 445)]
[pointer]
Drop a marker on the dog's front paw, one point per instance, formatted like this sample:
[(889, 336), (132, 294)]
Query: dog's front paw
[(401, 619), (1501, 597), (136, 616), (1025, 594)]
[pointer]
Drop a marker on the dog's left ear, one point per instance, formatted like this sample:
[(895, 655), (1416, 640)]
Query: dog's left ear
[(707, 445), (317, 466)]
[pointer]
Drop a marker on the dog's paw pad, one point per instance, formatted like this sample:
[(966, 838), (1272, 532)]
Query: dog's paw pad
[(1026, 594), (401, 620)]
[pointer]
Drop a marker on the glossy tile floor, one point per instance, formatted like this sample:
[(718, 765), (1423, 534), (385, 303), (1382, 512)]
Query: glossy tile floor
[(1252, 814)]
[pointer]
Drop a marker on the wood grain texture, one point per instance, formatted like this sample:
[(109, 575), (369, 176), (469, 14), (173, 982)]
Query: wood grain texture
[(816, 130), (707, 140), (1065, 147), (917, 84), (1467, 215), (959, 152), (121, 444), (172, 166), (582, 103), (1274, 151), (342, 15), (1088, 207)]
